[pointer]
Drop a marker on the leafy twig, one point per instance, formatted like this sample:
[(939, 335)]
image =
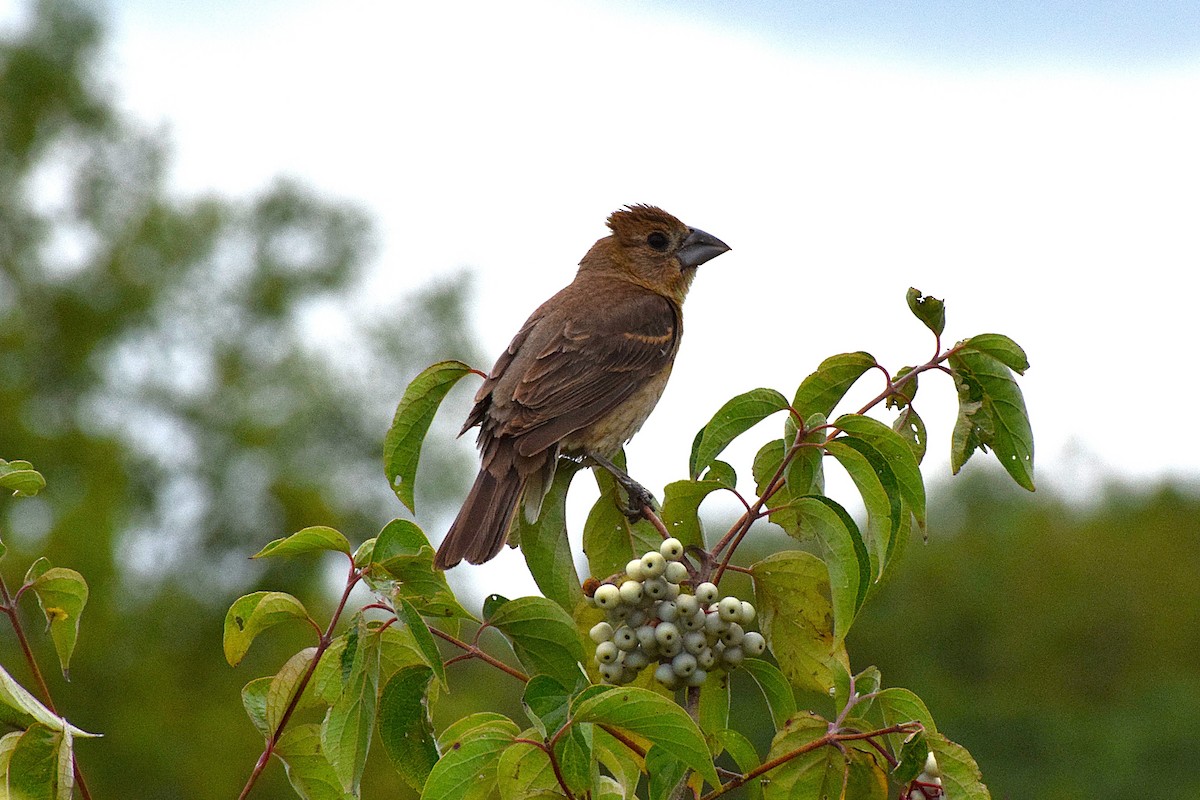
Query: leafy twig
[(323, 643)]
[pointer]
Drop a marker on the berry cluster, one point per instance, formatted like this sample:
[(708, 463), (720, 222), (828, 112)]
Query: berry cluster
[(651, 619)]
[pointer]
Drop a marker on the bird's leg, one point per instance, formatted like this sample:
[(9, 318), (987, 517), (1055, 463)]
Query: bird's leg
[(639, 496)]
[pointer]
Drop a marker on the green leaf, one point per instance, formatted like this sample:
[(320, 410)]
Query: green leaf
[(791, 592), (681, 509), (913, 754), (543, 636), (455, 731), (816, 774), (254, 700), (742, 751), (408, 614), (653, 716), (405, 728), (308, 770), (62, 593), (732, 420), (781, 702), (961, 778), (546, 703), (414, 414), (905, 391), (722, 473), (904, 463), (766, 463), (573, 751), (544, 542), (821, 391), (346, 731), (928, 309), (467, 769), (309, 540), (713, 713), (1001, 348), (524, 772), (847, 559), (252, 614), (911, 429), (665, 771), (619, 760), (901, 705), (28, 709), (609, 540), (880, 494), (20, 478), (34, 766), (991, 414), (403, 552), (492, 604), (283, 685)]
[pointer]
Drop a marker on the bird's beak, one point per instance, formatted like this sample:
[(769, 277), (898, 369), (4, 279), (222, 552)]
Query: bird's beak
[(699, 247)]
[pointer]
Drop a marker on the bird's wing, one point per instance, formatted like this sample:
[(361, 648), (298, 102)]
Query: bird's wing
[(568, 372)]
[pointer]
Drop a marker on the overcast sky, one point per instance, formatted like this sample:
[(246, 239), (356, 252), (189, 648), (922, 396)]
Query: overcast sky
[(1035, 164)]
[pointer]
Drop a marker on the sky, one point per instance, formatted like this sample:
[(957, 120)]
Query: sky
[(1034, 164)]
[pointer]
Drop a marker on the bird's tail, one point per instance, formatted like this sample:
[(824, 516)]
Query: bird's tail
[(481, 528)]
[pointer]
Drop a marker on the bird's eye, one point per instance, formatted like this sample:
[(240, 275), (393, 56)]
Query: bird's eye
[(658, 240)]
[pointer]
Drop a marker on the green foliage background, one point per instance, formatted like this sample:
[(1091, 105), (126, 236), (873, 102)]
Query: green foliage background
[(167, 379)]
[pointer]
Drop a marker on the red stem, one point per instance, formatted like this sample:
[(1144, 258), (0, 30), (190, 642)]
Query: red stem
[(323, 643)]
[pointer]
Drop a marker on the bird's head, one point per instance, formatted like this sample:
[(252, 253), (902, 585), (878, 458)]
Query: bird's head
[(650, 247)]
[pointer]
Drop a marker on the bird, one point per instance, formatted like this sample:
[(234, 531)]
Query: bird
[(581, 376)]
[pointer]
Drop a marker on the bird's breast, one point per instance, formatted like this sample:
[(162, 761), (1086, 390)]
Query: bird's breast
[(609, 434)]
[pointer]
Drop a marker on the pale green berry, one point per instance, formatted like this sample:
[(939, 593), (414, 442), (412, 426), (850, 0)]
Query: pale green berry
[(608, 596), (645, 636), (694, 641), (676, 572), (636, 659), (931, 766), (733, 635), (706, 658), (633, 570), (637, 618), (673, 589), (714, 624), (671, 649), (730, 609), (748, 613), (684, 664), (653, 564), (695, 622), (611, 673), (697, 678), (665, 633), (631, 592), (707, 592), (754, 644), (601, 632), (671, 549), (655, 588), (667, 610), (625, 638), (666, 676), (732, 657), (607, 653), (688, 605), (621, 611)]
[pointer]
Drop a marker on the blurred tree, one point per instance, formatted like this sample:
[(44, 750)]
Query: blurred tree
[(1060, 642), (170, 365)]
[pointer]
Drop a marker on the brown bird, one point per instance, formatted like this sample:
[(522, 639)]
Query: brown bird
[(581, 376)]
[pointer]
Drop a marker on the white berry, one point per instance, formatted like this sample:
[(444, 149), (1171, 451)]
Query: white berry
[(653, 564), (671, 549), (754, 644), (608, 596), (707, 592)]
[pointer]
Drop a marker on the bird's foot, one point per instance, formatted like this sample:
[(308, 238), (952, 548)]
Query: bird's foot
[(638, 497)]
